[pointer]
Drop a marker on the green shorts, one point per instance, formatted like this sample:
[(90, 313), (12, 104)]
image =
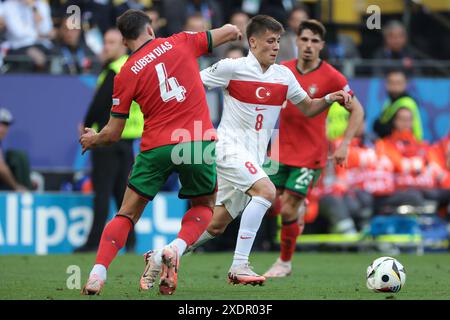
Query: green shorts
[(295, 179), (195, 163)]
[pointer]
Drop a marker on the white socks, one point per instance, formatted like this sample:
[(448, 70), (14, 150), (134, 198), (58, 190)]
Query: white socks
[(99, 270), (285, 263), (180, 245), (250, 221), (205, 237)]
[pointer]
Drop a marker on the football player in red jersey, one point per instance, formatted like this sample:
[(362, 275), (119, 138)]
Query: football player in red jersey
[(162, 76), (302, 148)]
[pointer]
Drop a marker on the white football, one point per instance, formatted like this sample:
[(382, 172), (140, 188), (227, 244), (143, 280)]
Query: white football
[(386, 274)]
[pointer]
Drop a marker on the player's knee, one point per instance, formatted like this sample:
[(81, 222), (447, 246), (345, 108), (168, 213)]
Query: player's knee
[(206, 201), (216, 230), (279, 192), (290, 207), (288, 214), (268, 192)]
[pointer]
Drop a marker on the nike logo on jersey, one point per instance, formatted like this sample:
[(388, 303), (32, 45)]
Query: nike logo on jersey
[(260, 109)]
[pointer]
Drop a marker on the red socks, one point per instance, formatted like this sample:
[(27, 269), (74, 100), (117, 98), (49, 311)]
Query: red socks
[(113, 238), (194, 223), (289, 233)]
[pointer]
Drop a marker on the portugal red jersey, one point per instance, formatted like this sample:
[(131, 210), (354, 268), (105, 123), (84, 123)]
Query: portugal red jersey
[(302, 140), (163, 77)]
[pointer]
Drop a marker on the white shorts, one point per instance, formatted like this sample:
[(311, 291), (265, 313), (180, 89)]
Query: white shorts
[(235, 175)]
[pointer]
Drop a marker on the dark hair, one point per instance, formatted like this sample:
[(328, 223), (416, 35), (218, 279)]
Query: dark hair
[(261, 23), (132, 23), (315, 26)]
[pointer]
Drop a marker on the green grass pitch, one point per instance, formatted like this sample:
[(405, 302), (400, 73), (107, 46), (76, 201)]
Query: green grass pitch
[(203, 276)]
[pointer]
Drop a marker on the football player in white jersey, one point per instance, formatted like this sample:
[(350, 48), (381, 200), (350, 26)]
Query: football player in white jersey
[(255, 89)]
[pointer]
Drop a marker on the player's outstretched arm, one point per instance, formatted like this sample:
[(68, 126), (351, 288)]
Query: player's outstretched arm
[(354, 122), (110, 133), (224, 34), (312, 107)]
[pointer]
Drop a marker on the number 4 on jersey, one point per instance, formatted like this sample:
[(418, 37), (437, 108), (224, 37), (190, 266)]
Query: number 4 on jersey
[(169, 87)]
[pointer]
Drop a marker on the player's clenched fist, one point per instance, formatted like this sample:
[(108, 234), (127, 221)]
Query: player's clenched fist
[(87, 139), (340, 96), (236, 34)]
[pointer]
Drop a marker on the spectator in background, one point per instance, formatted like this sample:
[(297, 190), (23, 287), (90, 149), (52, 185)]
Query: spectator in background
[(279, 9), (396, 50), (14, 166), (398, 97), (128, 4), (97, 16), (158, 23), (288, 42), (111, 164), (410, 162), (28, 29), (341, 47), (327, 202), (2, 20), (2, 32), (367, 175), (70, 53), (197, 23), (439, 156), (177, 11), (235, 52), (95, 13), (240, 19)]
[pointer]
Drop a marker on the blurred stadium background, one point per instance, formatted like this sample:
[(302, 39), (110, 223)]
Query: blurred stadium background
[(48, 92)]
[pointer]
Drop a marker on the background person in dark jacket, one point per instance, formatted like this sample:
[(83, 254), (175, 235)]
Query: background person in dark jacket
[(71, 55), (398, 97)]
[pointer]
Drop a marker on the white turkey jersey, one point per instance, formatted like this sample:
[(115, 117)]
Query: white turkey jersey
[(252, 103)]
